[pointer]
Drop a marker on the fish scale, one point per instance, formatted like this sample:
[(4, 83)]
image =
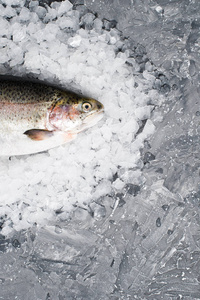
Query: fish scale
[(35, 117)]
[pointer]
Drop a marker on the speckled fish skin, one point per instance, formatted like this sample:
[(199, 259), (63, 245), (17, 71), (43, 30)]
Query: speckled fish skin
[(35, 117)]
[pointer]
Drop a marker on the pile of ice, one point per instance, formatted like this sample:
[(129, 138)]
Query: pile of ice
[(59, 44)]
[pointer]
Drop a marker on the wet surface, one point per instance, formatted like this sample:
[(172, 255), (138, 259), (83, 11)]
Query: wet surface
[(144, 242)]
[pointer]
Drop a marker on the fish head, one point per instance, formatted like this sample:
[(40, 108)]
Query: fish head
[(74, 113)]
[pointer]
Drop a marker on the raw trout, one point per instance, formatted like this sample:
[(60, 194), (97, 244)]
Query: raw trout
[(35, 117)]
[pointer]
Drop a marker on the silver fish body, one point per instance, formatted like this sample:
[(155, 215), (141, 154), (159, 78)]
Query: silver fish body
[(35, 117)]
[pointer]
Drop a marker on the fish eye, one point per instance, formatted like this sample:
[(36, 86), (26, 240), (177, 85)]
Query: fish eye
[(86, 106)]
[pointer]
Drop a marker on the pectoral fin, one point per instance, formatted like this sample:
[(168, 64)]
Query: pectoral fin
[(39, 134)]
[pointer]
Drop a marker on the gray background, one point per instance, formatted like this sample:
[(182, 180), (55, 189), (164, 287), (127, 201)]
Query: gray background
[(148, 247)]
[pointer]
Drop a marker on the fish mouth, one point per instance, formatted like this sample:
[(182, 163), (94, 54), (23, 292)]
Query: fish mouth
[(94, 116), (91, 120)]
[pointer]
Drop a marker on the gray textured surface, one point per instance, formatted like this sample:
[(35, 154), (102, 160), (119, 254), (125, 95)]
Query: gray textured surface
[(169, 31), (148, 247)]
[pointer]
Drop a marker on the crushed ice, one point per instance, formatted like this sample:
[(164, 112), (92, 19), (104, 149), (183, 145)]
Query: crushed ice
[(59, 44)]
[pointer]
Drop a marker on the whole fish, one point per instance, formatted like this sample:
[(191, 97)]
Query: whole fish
[(35, 117)]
